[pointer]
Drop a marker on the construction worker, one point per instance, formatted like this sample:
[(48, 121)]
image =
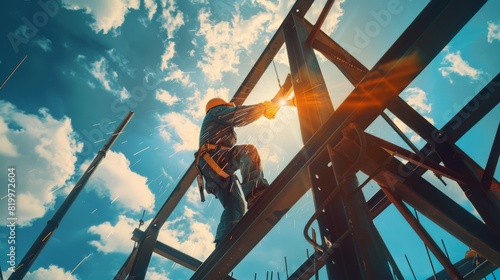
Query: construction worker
[(219, 158)]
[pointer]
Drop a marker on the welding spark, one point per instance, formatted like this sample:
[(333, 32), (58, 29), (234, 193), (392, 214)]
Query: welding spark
[(32, 170), (142, 150), (211, 199), (93, 211), (124, 141), (111, 232), (99, 141), (111, 122), (164, 172), (96, 124), (56, 189), (113, 201), (163, 192), (136, 162), (156, 178), (140, 143), (88, 256), (173, 154)]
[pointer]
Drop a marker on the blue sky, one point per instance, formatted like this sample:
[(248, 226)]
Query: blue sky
[(90, 62)]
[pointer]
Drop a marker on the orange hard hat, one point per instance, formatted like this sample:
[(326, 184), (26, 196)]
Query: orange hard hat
[(217, 101)]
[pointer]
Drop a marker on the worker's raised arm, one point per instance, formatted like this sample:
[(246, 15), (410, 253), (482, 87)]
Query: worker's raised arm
[(240, 115)]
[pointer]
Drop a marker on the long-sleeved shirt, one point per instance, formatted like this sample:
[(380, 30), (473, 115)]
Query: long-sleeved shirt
[(218, 125)]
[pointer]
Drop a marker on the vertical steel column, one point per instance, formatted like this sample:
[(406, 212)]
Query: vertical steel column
[(314, 107), (370, 251), (53, 223)]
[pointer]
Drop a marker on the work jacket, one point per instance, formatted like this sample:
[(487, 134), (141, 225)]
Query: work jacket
[(218, 129), (218, 125)]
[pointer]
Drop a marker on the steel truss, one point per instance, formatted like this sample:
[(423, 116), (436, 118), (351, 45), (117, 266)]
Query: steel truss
[(338, 136)]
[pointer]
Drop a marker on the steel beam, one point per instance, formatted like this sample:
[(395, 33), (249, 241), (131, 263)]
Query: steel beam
[(480, 105), (127, 265), (469, 269), (454, 158), (319, 22), (489, 97), (352, 69), (428, 200), (491, 164), (170, 253), (424, 235), (314, 106), (312, 99), (414, 50)]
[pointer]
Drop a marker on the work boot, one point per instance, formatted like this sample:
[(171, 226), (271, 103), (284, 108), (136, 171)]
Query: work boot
[(254, 195)]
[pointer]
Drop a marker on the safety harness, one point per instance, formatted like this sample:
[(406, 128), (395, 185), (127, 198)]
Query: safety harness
[(203, 153)]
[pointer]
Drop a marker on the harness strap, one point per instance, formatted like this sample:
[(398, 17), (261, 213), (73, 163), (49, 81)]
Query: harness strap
[(203, 152)]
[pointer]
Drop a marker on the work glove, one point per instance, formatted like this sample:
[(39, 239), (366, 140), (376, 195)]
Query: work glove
[(270, 109)]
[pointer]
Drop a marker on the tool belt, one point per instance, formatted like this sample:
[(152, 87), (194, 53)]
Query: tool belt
[(203, 153)]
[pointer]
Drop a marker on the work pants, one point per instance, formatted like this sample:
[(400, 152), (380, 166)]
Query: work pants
[(240, 157)]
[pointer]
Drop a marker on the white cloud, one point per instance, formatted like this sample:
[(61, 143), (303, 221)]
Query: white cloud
[(107, 15), (154, 273), (53, 272), (98, 70), (417, 99), (402, 126), (124, 94), (44, 43), (44, 155), (186, 131), (229, 41), (151, 7), (188, 235), (277, 10), (6, 147), (171, 18), (184, 233), (193, 196), (114, 238), (179, 76), (167, 55), (493, 31), (270, 153), (225, 41), (457, 65), (165, 97), (108, 78), (114, 179)]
